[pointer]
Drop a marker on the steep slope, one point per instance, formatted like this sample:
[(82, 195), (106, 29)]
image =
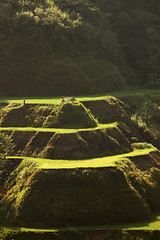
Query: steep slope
[(87, 141), (79, 145)]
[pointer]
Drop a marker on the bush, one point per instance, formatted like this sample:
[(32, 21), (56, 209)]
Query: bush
[(141, 145)]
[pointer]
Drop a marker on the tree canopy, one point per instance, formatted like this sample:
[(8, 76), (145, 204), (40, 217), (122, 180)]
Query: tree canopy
[(55, 47)]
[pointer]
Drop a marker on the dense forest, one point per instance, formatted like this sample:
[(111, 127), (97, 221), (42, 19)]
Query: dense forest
[(75, 47)]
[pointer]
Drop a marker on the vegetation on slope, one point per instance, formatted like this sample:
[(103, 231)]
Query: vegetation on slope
[(71, 115), (71, 47), (144, 111), (54, 194), (66, 115), (63, 197)]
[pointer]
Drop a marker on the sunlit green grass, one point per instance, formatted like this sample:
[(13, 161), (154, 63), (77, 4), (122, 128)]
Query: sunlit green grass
[(153, 224), (109, 161), (30, 100), (57, 100), (59, 130), (54, 100)]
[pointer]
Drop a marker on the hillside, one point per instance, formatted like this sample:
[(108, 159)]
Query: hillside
[(75, 47), (86, 166), (80, 178)]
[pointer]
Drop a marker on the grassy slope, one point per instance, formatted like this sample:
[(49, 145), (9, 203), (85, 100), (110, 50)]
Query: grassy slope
[(88, 163)]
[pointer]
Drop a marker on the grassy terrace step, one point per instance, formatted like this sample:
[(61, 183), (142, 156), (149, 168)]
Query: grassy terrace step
[(110, 161), (153, 224), (60, 130), (57, 100), (54, 100)]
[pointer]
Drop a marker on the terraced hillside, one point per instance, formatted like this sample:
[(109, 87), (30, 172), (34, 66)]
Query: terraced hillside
[(66, 174)]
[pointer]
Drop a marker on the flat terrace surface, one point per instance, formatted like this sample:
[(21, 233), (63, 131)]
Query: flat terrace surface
[(59, 130), (109, 161), (57, 100)]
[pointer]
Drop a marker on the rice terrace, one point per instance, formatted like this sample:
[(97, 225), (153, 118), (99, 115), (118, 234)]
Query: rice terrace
[(79, 120), (94, 174)]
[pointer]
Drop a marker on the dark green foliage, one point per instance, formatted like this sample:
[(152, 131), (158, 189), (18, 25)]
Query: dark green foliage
[(136, 25), (77, 47), (146, 118)]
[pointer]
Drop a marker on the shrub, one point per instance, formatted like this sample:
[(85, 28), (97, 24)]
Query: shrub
[(141, 145), (139, 122)]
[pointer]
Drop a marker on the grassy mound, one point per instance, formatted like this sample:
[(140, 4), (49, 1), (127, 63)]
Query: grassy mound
[(71, 115), (50, 113), (79, 197), (56, 198)]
